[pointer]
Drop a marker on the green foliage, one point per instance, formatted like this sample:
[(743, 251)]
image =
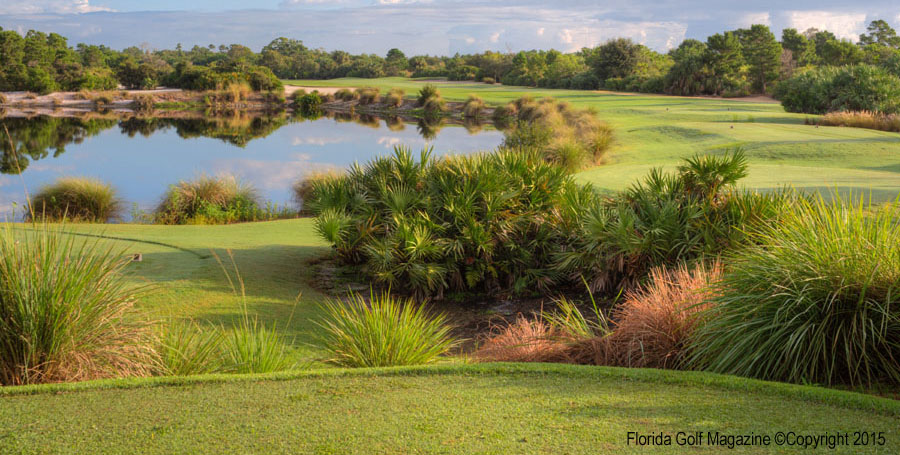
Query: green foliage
[(852, 88), (346, 94), (478, 223), (252, 347), (394, 97), (309, 104), (815, 301), (762, 53), (186, 348), (572, 138), (693, 213), (383, 331), (214, 200), (76, 199), (66, 312)]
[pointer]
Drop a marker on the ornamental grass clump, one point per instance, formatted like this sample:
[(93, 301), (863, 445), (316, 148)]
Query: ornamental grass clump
[(394, 97), (383, 331), (76, 199), (815, 300), (208, 200), (66, 311)]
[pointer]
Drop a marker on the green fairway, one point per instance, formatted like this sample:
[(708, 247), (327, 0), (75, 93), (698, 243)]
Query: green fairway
[(458, 409), (654, 130)]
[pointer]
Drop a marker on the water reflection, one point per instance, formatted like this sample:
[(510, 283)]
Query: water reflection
[(141, 155)]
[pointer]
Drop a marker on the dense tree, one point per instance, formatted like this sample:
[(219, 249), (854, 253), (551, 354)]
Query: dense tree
[(803, 50), (725, 60), (763, 55), (880, 32)]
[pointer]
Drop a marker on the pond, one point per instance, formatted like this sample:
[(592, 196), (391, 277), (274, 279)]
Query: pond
[(140, 157)]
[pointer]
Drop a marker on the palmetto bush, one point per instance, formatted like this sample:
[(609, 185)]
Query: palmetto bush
[(666, 218), (485, 222), (816, 300)]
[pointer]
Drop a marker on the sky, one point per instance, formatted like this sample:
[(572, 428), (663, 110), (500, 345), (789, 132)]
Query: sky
[(437, 27)]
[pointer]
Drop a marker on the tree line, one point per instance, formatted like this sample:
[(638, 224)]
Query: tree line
[(732, 63)]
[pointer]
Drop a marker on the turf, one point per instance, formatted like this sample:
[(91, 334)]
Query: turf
[(454, 409), (657, 131)]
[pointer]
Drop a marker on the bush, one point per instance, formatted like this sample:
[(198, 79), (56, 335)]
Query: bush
[(667, 218), (473, 107), (346, 94), (303, 188), (479, 223), (309, 104), (428, 91), (383, 331), (251, 347), (574, 139), (208, 200), (66, 312), (488, 80), (143, 103), (655, 322), (187, 349), (394, 97), (3, 99), (77, 199), (836, 89), (815, 301), (367, 95)]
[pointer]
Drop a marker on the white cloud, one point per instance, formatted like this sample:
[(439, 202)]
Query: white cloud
[(470, 40), (755, 18), (494, 37), (843, 25), (49, 6), (389, 142), (565, 36), (320, 141), (540, 31)]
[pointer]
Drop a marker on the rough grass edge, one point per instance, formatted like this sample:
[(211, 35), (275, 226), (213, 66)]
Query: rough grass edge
[(839, 398)]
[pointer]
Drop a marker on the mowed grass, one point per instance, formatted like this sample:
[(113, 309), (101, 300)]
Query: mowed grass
[(653, 131), (492, 409)]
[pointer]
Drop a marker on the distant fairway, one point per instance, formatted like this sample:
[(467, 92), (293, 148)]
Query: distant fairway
[(653, 130)]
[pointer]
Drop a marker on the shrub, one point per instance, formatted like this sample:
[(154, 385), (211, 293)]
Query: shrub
[(345, 94), (394, 97), (428, 91), (66, 312), (3, 99), (667, 218), (835, 89), (481, 222), (572, 138), (367, 95), (303, 188), (212, 200), (816, 300), (77, 199), (488, 80), (309, 104), (252, 347), (473, 107), (383, 331), (143, 103), (655, 322)]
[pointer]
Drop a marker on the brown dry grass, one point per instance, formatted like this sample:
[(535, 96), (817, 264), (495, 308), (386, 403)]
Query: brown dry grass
[(655, 320), (862, 119), (525, 340)]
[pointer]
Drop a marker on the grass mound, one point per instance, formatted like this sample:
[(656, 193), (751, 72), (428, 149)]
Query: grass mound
[(817, 300), (76, 199)]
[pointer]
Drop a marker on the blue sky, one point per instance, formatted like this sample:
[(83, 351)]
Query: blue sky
[(427, 26)]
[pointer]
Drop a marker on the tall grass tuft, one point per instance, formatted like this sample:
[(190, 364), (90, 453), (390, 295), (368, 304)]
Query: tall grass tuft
[(208, 200), (367, 95), (383, 331), (525, 340), (474, 107), (345, 94), (862, 119), (66, 313), (76, 199), (186, 348), (656, 320), (817, 299), (394, 98), (430, 100)]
